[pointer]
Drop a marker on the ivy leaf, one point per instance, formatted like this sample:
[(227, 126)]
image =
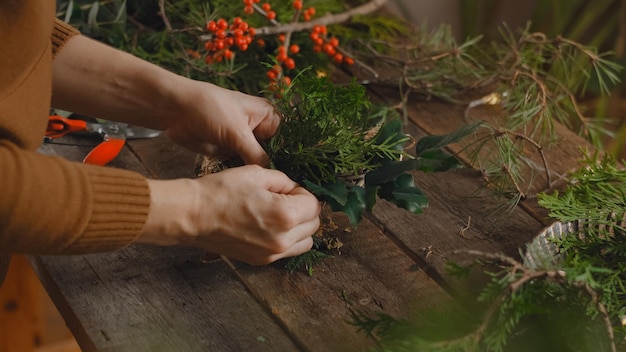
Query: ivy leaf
[(355, 206), (391, 134), (436, 161), (370, 196), (433, 142), (403, 193), (331, 192), (389, 172), (351, 200)]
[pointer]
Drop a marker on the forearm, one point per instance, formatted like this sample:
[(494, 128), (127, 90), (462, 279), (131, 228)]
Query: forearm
[(93, 79)]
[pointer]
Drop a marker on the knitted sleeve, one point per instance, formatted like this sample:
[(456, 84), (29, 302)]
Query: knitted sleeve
[(53, 206), (61, 33), (49, 205)]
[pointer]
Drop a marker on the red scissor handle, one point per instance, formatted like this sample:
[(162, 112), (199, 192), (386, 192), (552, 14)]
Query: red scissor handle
[(59, 126), (104, 152)]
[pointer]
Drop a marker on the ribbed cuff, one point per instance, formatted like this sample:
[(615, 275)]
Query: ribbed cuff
[(61, 33), (121, 202)]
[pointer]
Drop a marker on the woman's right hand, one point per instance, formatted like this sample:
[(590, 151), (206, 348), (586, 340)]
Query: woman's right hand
[(249, 213)]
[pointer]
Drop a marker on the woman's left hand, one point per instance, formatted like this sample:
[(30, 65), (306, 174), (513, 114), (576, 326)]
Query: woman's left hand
[(219, 121)]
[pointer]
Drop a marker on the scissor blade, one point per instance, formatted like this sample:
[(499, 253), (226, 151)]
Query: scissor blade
[(134, 132)]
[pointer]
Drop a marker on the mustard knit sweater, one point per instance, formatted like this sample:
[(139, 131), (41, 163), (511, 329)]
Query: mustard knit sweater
[(49, 205)]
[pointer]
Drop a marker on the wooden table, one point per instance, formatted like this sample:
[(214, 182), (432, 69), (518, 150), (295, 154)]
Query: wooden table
[(169, 299)]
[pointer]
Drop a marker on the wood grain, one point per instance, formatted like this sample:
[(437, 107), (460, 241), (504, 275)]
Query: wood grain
[(166, 299), (369, 275)]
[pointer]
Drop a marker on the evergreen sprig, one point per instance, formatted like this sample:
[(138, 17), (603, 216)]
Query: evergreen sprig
[(349, 152), (575, 303)]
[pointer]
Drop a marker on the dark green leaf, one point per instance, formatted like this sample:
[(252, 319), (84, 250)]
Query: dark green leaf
[(355, 206), (410, 198), (389, 172), (435, 161), (337, 191), (436, 142), (403, 193), (391, 133), (370, 197)]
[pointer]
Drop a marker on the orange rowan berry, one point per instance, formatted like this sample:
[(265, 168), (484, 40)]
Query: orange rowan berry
[(294, 49), (252, 31), (338, 58), (328, 49), (290, 64), (297, 4), (334, 42), (211, 26), (260, 42), (248, 10), (281, 38), (238, 33), (228, 54), (281, 57), (266, 7), (317, 48), (271, 15), (306, 17), (271, 75), (222, 24), (311, 11), (349, 61), (218, 44)]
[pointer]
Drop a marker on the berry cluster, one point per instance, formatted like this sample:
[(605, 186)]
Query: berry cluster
[(226, 36), (328, 45)]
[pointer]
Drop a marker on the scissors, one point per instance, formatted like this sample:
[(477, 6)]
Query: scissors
[(113, 134)]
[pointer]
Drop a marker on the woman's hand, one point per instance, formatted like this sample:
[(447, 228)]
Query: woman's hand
[(218, 121), (96, 80), (248, 213)]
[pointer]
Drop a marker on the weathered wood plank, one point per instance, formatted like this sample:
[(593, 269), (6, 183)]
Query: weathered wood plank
[(437, 117), (163, 158), (371, 275), (165, 299)]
